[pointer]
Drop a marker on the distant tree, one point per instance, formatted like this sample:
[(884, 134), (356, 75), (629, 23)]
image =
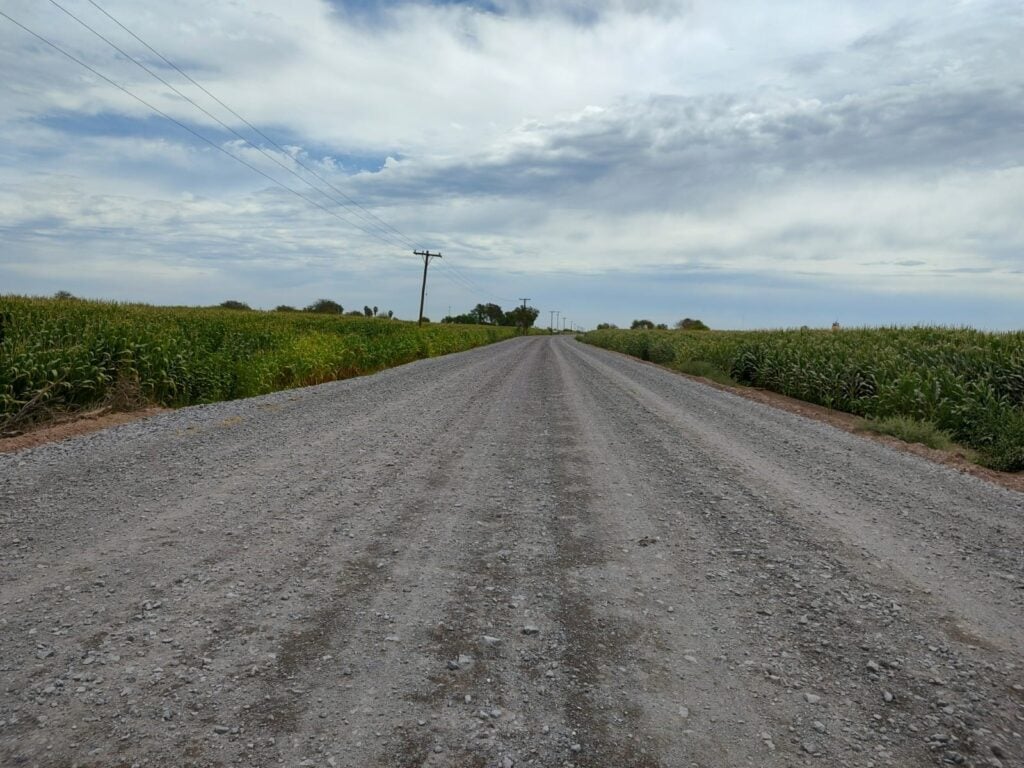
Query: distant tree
[(367, 311), (390, 314), (63, 295), (466, 319), (426, 319), (641, 324), (522, 317), (374, 311), (490, 314), (232, 304), (662, 326), (325, 307), (285, 308), (355, 313), (606, 326), (688, 324)]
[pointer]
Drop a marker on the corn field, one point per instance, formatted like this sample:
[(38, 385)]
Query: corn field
[(60, 355), (967, 383)]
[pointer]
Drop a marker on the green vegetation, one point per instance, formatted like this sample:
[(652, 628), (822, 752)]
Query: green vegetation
[(910, 431), (522, 317), (66, 354), (966, 383), (705, 370)]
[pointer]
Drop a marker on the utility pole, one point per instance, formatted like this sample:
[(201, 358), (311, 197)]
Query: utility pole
[(524, 312), (551, 321), (557, 313), (427, 256)]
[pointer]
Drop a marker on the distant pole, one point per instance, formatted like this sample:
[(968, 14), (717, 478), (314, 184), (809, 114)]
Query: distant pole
[(427, 256), (524, 312), (558, 312), (551, 321)]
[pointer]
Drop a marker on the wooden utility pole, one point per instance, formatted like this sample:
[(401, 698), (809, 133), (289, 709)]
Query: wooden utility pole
[(427, 256), (523, 319)]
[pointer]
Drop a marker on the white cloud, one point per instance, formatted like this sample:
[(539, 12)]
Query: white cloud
[(870, 143)]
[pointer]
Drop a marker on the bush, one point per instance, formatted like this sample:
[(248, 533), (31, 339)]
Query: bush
[(326, 307), (687, 324)]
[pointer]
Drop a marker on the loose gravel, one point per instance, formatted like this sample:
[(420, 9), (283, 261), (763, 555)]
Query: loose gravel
[(533, 553)]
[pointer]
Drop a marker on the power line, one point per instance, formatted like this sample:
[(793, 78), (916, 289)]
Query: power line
[(454, 273), (180, 124), (256, 130), (385, 229), (384, 235)]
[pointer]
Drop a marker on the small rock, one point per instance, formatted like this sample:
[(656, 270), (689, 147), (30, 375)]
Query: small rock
[(809, 747), (507, 762), (453, 665), (873, 666), (812, 698), (684, 712), (576, 747), (530, 629), (488, 640), (220, 729), (887, 696), (818, 726)]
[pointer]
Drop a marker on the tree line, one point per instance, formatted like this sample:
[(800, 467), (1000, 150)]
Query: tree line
[(686, 324), (522, 317), (320, 306)]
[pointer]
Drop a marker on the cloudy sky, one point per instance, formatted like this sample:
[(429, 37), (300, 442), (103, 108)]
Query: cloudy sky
[(752, 164)]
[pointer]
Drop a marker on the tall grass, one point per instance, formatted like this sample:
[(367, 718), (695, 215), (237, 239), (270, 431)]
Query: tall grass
[(67, 354), (966, 383)]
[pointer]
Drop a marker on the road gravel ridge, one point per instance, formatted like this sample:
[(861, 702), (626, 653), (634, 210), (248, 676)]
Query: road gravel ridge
[(535, 553)]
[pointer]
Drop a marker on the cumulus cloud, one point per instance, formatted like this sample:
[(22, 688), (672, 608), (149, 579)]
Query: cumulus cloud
[(866, 145)]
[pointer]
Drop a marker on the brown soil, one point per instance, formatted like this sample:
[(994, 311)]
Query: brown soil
[(71, 426)]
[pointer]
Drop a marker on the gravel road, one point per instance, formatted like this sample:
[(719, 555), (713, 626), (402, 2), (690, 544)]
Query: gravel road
[(534, 553)]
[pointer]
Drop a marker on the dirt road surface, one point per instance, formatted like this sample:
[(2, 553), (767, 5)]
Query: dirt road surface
[(535, 553)]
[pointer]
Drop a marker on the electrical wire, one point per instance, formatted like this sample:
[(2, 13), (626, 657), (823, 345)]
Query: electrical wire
[(383, 231), (163, 114), (384, 235), (453, 273), (408, 241)]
